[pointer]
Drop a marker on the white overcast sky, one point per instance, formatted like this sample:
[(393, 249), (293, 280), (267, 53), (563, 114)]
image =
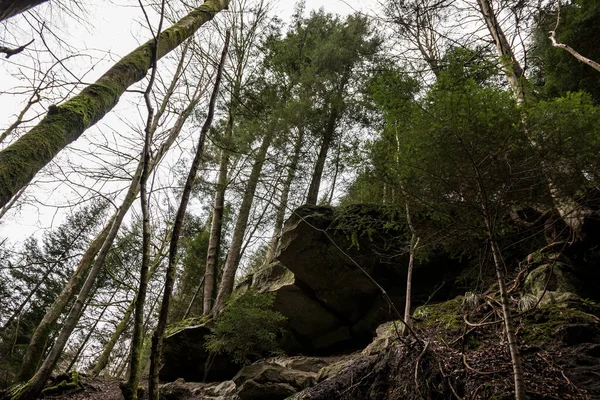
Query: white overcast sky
[(109, 30)]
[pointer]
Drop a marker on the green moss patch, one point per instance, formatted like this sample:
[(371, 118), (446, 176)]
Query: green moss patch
[(185, 323), (544, 325), (66, 383), (446, 316)]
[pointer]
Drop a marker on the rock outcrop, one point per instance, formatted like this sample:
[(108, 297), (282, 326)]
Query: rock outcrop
[(330, 271), (329, 275)]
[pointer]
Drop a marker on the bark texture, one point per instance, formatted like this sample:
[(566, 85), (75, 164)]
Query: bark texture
[(63, 124), (10, 8), (216, 226), (233, 257)]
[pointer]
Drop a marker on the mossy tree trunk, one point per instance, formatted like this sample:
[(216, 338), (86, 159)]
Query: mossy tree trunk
[(39, 338), (10, 8), (65, 123), (157, 337)]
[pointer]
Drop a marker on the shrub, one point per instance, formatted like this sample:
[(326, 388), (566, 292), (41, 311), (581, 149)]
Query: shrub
[(248, 328)]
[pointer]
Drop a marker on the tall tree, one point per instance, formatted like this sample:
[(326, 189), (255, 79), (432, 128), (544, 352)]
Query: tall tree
[(157, 337), (64, 123)]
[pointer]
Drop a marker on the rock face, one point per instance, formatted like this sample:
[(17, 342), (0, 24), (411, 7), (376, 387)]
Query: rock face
[(329, 271), (185, 357), (331, 266)]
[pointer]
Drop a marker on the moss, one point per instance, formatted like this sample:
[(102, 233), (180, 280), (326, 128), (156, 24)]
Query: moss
[(67, 383), (542, 324), (23, 159), (181, 325), (445, 316)]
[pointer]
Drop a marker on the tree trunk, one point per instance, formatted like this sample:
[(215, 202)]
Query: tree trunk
[(104, 357), (315, 183), (38, 341), (153, 392), (10, 8), (572, 213), (20, 161), (40, 336), (414, 243), (87, 337), (194, 297), (512, 69), (216, 226), (573, 52), (130, 389), (513, 347), (233, 257), (283, 202)]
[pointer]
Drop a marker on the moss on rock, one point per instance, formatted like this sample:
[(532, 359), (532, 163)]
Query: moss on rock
[(445, 316), (552, 323)]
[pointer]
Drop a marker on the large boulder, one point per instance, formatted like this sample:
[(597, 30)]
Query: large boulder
[(332, 267), (331, 270)]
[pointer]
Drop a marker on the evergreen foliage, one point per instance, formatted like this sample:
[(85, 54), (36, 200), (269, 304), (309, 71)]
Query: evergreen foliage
[(248, 328)]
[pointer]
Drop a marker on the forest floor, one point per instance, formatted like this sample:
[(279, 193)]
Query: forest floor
[(95, 389)]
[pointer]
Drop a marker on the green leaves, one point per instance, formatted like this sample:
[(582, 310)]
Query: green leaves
[(248, 328)]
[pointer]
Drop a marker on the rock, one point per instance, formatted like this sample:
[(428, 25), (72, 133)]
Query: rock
[(556, 277), (327, 276), (328, 270), (184, 356), (271, 381), (181, 390)]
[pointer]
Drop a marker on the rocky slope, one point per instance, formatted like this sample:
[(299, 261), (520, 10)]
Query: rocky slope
[(330, 276)]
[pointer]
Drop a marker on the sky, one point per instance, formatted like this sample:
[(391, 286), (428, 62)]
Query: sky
[(108, 30)]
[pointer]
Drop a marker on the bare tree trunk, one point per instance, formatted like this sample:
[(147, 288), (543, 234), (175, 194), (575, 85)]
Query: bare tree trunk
[(336, 172), (10, 8), (153, 392), (414, 243), (104, 357), (130, 388), (573, 52), (283, 202), (233, 257), (92, 329), (216, 226), (40, 336), (513, 346), (20, 161), (191, 304), (315, 183)]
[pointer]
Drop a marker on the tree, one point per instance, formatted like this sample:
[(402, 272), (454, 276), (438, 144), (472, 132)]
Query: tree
[(157, 337), (555, 71), (20, 161), (10, 8), (461, 153)]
